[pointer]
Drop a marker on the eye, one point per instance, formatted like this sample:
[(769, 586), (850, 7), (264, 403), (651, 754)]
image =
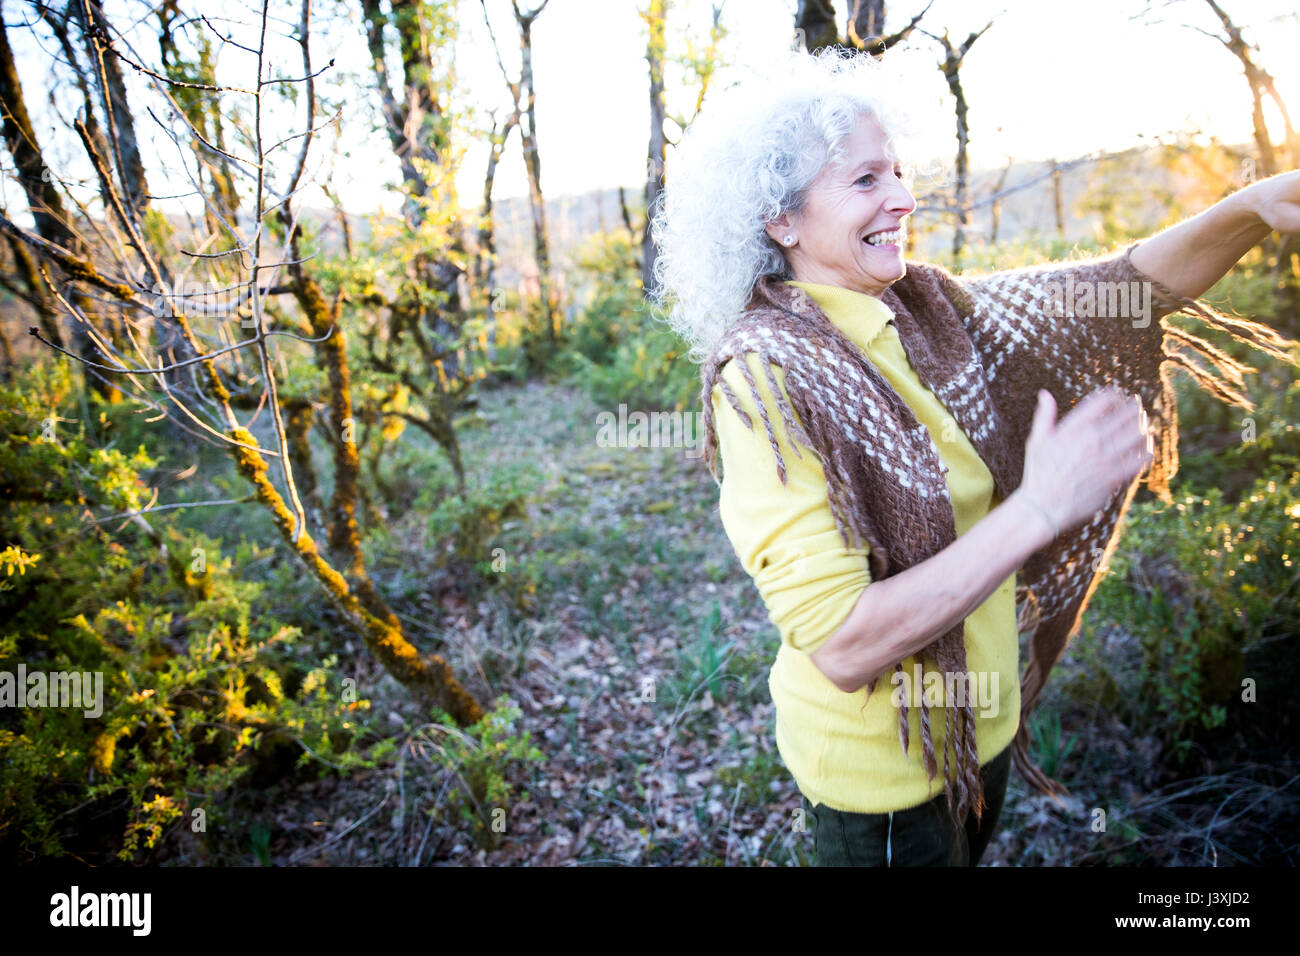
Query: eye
[(867, 179)]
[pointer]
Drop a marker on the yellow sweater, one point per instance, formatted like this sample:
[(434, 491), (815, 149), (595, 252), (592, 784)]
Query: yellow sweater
[(840, 752)]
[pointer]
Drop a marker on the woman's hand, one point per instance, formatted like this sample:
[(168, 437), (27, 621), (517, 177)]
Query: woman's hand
[(1276, 201), (1074, 466)]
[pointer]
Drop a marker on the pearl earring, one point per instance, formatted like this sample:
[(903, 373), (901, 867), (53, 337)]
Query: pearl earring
[(789, 240)]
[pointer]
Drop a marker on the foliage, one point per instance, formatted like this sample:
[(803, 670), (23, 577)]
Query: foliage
[(706, 661), (618, 348), (1046, 742), (1199, 584), (648, 371), (1225, 446), (488, 759), (982, 257), (606, 271), (191, 684), (470, 532)]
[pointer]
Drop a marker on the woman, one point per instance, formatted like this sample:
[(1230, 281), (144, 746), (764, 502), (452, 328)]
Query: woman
[(890, 448)]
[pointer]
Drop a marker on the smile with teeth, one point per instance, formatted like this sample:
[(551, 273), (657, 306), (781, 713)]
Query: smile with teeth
[(887, 238)]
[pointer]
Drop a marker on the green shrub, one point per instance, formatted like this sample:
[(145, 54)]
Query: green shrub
[(1225, 446), (1200, 584), (489, 758), (607, 266), (649, 371), (193, 684), (475, 533), (619, 349)]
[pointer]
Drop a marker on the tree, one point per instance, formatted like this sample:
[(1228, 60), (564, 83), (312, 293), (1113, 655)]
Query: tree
[(533, 160), (1282, 255), (419, 348), (1261, 85), (864, 29), (1286, 252), (242, 374), (699, 67), (523, 117), (654, 17), (45, 202), (950, 65)]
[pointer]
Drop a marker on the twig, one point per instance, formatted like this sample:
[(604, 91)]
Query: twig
[(36, 334), (179, 504), (334, 839), (268, 373)]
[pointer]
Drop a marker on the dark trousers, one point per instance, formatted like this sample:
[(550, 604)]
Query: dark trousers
[(918, 836)]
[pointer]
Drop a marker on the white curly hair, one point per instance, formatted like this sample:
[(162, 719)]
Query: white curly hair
[(751, 155)]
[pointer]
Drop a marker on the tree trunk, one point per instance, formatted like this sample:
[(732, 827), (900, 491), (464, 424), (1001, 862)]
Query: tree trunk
[(485, 246), (533, 166), (995, 205), (1286, 276), (419, 128), (1058, 201), (815, 26), (816, 21), (658, 151), (46, 206), (950, 66), (112, 92), (960, 170)]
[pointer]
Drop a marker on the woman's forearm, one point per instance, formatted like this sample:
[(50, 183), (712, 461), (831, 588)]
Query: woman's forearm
[(1193, 255), (898, 616)]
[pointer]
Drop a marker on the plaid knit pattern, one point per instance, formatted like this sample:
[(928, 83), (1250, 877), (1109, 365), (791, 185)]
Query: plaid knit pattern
[(984, 346)]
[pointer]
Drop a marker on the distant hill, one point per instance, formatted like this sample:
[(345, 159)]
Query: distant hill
[(1138, 185)]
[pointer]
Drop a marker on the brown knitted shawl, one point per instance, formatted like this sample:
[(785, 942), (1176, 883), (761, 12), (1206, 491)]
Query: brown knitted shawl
[(983, 346)]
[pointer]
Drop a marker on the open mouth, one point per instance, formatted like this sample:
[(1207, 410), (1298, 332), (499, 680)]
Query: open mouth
[(892, 237)]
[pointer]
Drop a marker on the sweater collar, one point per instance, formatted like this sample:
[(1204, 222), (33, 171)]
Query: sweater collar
[(858, 315)]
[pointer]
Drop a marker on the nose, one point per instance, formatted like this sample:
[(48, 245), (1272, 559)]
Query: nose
[(901, 201)]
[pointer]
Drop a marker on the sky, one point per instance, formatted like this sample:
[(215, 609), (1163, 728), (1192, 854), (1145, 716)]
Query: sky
[(1049, 79)]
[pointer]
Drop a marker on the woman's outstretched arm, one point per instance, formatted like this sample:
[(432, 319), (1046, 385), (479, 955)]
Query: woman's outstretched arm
[(1193, 255)]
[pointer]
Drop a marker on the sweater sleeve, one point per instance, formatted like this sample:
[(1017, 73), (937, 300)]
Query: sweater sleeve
[(784, 535), (1095, 301)]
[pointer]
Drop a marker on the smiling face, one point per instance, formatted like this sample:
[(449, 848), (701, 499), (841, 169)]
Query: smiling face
[(850, 232)]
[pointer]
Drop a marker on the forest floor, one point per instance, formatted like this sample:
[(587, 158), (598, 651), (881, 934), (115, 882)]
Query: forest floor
[(641, 675)]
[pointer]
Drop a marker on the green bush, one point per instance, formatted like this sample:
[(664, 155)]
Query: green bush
[(1225, 446), (607, 266), (474, 533), (539, 351), (488, 758), (194, 685), (619, 349), (649, 371), (1201, 584)]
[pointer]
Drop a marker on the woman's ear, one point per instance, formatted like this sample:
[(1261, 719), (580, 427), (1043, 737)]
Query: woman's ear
[(779, 228)]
